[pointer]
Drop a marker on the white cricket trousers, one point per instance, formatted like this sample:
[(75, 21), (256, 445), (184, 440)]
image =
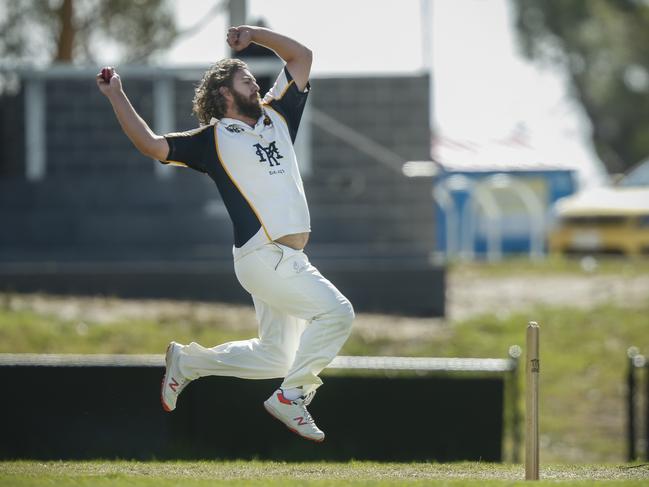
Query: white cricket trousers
[(303, 322)]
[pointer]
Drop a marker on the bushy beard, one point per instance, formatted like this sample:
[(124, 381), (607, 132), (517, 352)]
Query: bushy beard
[(247, 106)]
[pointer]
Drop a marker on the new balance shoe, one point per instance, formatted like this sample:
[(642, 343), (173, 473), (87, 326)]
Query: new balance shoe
[(294, 415), (173, 381)]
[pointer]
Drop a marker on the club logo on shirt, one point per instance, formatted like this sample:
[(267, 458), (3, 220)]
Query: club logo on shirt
[(268, 154), (234, 128)]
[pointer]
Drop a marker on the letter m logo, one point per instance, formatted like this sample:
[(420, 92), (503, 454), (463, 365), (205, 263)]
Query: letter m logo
[(270, 154)]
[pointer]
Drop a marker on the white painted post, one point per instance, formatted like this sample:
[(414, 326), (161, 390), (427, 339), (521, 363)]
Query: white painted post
[(445, 201), (163, 117), (303, 143), (35, 138)]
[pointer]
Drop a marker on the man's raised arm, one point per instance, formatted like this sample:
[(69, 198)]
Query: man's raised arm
[(297, 57), (147, 142)]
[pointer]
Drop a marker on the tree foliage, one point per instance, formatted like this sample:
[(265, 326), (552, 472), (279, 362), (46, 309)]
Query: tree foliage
[(604, 46), (69, 31)]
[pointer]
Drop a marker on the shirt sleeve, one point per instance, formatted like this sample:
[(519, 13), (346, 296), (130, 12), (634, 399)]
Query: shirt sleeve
[(188, 149), (285, 98)]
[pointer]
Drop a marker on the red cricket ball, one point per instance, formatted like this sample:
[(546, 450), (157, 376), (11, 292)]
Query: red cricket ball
[(107, 74)]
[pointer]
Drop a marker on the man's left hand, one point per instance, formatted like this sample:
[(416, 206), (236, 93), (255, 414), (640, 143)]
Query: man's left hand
[(239, 37)]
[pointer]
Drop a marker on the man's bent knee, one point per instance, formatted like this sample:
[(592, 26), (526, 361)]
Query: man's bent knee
[(344, 314)]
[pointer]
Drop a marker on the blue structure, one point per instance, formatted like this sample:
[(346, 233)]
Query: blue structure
[(495, 201)]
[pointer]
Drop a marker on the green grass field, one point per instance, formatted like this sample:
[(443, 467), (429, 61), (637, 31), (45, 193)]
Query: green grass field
[(556, 265), (275, 474), (583, 353)]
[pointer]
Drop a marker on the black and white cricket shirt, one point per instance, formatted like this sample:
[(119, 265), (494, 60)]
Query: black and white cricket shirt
[(254, 168)]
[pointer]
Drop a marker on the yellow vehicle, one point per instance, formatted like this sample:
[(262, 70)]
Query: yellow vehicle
[(605, 220)]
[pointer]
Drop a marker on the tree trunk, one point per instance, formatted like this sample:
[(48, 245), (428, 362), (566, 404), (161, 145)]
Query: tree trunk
[(66, 34)]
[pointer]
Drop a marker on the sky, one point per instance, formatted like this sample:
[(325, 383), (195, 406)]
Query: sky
[(483, 90)]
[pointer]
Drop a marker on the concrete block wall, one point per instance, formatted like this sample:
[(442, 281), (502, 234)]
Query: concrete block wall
[(83, 137), (101, 195), (101, 201), (356, 198)]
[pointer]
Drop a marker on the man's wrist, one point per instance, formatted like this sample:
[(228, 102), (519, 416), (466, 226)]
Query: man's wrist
[(254, 33), (115, 96)]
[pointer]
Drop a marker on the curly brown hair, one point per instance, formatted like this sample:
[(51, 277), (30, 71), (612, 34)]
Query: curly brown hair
[(208, 102)]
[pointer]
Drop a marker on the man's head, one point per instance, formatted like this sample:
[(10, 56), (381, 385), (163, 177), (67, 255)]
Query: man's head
[(228, 85)]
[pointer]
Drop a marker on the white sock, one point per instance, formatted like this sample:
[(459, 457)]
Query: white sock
[(292, 394)]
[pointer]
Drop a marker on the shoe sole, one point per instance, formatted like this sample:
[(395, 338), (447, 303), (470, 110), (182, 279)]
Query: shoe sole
[(275, 415), (164, 377)]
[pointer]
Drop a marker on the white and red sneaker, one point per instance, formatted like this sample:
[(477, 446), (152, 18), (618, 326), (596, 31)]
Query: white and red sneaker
[(294, 415), (173, 381)]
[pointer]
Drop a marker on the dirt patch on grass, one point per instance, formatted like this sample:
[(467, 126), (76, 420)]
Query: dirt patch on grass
[(468, 294)]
